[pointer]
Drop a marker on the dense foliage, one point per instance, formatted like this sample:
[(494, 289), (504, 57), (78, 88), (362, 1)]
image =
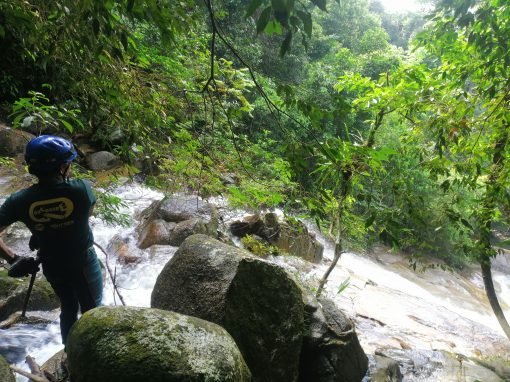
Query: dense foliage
[(335, 109)]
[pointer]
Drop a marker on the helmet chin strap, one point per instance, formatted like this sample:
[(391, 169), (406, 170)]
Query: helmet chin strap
[(65, 172)]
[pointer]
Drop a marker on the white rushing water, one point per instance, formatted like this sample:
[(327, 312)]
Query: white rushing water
[(392, 306), (134, 281)]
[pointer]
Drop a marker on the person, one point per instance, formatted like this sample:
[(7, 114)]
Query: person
[(56, 210)]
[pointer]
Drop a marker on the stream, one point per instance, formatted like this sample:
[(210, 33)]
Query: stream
[(413, 317)]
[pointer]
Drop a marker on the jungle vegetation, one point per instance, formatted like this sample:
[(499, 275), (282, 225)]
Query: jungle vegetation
[(382, 127)]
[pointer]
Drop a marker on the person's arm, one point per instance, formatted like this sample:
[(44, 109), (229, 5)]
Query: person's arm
[(5, 252)]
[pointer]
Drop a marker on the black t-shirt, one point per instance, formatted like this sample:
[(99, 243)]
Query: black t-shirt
[(56, 214)]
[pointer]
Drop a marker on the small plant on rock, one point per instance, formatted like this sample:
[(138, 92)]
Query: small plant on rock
[(258, 247)]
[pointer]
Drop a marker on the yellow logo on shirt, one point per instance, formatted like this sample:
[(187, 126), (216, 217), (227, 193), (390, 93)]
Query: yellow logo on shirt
[(46, 210)]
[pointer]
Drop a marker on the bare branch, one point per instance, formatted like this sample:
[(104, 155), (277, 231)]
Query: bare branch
[(112, 276)]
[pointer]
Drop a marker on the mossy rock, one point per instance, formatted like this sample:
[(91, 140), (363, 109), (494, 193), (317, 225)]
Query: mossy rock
[(5, 371), (331, 349), (257, 302), (126, 344), (13, 292), (265, 315), (196, 279)]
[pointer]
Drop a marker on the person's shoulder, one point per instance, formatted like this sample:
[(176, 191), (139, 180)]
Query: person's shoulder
[(20, 194), (85, 188), (19, 198), (79, 183)]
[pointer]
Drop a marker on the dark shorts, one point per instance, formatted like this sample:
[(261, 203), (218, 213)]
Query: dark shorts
[(79, 287)]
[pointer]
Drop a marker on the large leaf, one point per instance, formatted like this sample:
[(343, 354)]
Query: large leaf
[(286, 44), (263, 19), (321, 4), (306, 18), (254, 5)]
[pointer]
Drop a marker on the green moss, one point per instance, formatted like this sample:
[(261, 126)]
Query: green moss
[(8, 285), (265, 315), (5, 372), (259, 248), (499, 365), (127, 344)]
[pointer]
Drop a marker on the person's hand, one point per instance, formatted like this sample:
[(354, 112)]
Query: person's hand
[(13, 259), (23, 266)]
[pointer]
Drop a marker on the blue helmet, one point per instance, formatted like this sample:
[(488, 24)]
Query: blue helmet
[(46, 153)]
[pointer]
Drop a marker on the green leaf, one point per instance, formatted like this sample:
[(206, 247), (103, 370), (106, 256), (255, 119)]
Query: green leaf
[(2, 32), (321, 4), (466, 223), (278, 5), (343, 286), (273, 27), (124, 40), (263, 19), (503, 243), (306, 18), (254, 5), (95, 27), (286, 44), (370, 221), (67, 125)]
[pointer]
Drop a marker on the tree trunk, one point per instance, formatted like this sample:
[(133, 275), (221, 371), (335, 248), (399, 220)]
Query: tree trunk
[(493, 299), (485, 217), (344, 192), (338, 223)]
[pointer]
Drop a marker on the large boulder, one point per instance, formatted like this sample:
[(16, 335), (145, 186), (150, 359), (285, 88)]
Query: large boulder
[(265, 314), (126, 344), (331, 350), (5, 371), (173, 219), (289, 235), (13, 142), (102, 160), (256, 301), (196, 279), (13, 292)]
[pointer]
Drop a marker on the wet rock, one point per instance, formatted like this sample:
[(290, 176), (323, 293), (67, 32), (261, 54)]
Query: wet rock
[(5, 372), (180, 208), (250, 225), (13, 142), (437, 365), (126, 344), (195, 281), (385, 369), (173, 219), (331, 350), (498, 365), (31, 319), (263, 309), (154, 232), (290, 236), (13, 292), (119, 247), (102, 160), (257, 302), (186, 228), (57, 367), (264, 313)]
